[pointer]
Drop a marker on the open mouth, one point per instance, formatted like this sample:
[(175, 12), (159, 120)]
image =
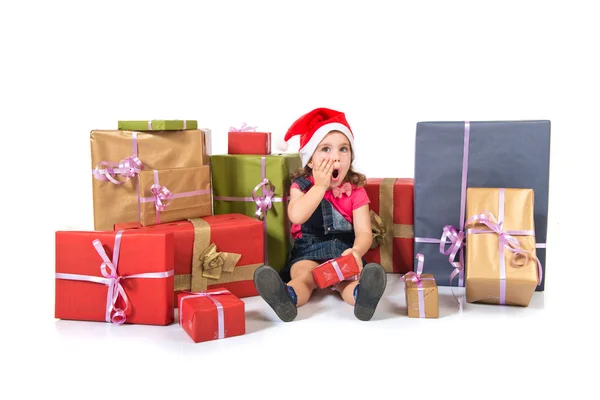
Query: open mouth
[(335, 174)]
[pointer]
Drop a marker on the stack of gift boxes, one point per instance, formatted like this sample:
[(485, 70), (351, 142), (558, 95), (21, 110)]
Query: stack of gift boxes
[(477, 221), (177, 227)]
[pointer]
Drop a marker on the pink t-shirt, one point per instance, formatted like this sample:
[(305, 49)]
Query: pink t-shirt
[(345, 205)]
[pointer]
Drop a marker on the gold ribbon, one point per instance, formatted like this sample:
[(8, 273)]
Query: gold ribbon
[(384, 229), (215, 262), (210, 266), (378, 230)]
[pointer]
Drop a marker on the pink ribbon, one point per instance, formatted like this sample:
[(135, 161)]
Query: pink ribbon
[(457, 241), (506, 241), (162, 196), (263, 203), (416, 277), (243, 128), (112, 279), (338, 270), (220, 312), (129, 167), (456, 236)]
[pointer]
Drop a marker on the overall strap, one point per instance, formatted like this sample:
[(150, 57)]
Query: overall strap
[(304, 183)]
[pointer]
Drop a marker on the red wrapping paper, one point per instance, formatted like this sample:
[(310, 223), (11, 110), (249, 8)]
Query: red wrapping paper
[(325, 274), (199, 316), (249, 143), (399, 203), (234, 233), (150, 299)]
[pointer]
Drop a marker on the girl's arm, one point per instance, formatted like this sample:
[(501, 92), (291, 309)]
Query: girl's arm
[(362, 232), (303, 205)]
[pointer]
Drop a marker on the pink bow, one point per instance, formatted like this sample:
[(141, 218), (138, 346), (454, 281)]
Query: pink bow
[(345, 188), (128, 167), (520, 256), (243, 128), (457, 240), (264, 202), (115, 289), (415, 276), (163, 196)]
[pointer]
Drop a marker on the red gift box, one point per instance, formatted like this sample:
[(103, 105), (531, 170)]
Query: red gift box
[(230, 234), (334, 271), (114, 277), (392, 214), (215, 314), (249, 143)]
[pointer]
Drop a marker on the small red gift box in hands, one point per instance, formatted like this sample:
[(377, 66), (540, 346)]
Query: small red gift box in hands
[(334, 271)]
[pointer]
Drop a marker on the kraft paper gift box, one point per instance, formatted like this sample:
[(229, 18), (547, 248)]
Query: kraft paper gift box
[(174, 194), (114, 277), (207, 248), (501, 254), (428, 307), (211, 315), (421, 293), (334, 271), (453, 156), (241, 181), (119, 156), (158, 125), (392, 222)]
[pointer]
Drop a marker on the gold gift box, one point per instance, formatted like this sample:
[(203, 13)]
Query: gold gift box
[(489, 278), (117, 203), (189, 194)]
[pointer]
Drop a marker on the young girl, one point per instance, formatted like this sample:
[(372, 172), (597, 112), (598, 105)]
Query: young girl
[(329, 211)]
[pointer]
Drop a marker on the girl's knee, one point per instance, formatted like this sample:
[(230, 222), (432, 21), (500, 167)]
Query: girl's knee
[(302, 268)]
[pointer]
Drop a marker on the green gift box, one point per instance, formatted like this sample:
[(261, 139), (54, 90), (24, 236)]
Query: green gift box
[(241, 181), (158, 125)]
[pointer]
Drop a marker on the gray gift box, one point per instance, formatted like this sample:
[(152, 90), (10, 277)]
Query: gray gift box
[(494, 154)]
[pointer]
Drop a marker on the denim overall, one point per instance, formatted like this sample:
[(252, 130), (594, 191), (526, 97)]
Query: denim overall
[(325, 235)]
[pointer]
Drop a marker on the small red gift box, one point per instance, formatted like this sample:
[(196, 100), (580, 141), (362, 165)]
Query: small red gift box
[(392, 214), (246, 141), (334, 271), (115, 277), (214, 251), (210, 315)]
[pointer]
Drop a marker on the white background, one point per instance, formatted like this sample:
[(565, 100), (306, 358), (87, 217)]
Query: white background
[(70, 67)]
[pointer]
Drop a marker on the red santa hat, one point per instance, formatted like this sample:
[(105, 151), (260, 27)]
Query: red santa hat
[(312, 127)]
